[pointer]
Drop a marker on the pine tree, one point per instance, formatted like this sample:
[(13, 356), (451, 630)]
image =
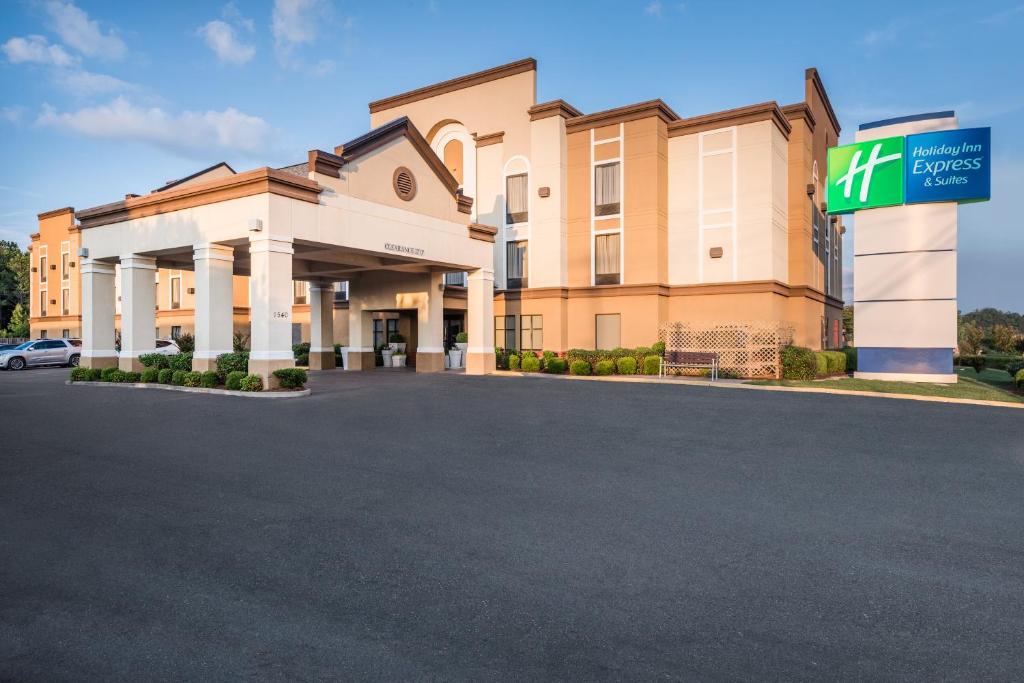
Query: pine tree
[(18, 324)]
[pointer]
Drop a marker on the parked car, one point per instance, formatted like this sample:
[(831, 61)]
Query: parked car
[(7, 347), (42, 352), (167, 347)]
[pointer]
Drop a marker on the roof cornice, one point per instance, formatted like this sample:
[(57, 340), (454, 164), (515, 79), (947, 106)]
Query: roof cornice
[(630, 112), (553, 108), (800, 110), (467, 81), (765, 111), (812, 76), (55, 212)]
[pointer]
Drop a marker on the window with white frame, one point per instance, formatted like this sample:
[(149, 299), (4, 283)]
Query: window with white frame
[(176, 291), (505, 331), (175, 331), (65, 301), (828, 257), (516, 264), (299, 292), (532, 337), (517, 198), (65, 261), (607, 259), (44, 264), (42, 303), (607, 189), (341, 291)]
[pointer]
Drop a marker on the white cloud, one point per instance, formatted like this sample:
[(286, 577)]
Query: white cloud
[(295, 24), (232, 15), (193, 134), (12, 114), (882, 35), (36, 50), (653, 8), (220, 37), (82, 82), (76, 29)]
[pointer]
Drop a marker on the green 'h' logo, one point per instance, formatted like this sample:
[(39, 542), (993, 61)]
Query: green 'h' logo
[(865, 175)]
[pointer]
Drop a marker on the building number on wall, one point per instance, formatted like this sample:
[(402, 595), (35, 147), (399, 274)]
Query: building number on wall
[(280, 314)]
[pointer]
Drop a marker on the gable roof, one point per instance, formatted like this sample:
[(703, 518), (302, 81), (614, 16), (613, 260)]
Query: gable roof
[(174, 183), (469, 80), (330, 164)]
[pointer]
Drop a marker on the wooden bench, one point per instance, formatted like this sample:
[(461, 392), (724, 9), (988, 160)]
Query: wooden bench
[(678, 360)]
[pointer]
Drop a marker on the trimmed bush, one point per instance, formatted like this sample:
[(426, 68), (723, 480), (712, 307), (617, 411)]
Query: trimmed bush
[(155, 360), (234, 380), (798, 362), (604, 367), (186, 342), (233, 362), (150, 375), (80, 374), (181, 361), (303, 348), (1000, 361), (659, 348), (513, 362), (1014, 368), (462, 338), (976, 362), (95, 375), (164, 376), (130, 377), (531, 364), (108, 374), (820, 364), (192, 379), (555, 366), (251, 383), (291, 378), (626, 366), (836, 362), (178, 377), (1018, 379), (851, 358), (302, 359), (579, 367), (652, 365), (209, 379)]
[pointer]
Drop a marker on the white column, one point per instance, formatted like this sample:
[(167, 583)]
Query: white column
[(480, 322), (321, 326), (138, 310), (98, 314), (430, 327), (214, 267), (270, 306)]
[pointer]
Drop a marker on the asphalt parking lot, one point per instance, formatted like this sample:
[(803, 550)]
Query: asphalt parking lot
[(395, 526)]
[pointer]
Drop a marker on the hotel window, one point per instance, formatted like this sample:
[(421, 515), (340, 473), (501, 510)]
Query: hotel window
[(43, 334), (42, 303), (828, 258), (608, 330), (455, 279), (65, 333), (175, 331), (175, 291), (606, 259), (517, 199), (505, 331), (43, 265), (65, 265), (65, 301), (606, 189), (532, 337), (299, 291), (341, 291), (516, 262)]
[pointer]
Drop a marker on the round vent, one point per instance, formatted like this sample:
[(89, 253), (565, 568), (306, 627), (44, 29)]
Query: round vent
[(405, 183)]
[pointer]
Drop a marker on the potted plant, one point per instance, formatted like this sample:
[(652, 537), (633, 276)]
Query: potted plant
[(385, 355), (454, 357), (461, 342), (397, 342), (398, 359)]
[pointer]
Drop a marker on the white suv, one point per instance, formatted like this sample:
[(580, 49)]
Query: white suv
[(42, 352)]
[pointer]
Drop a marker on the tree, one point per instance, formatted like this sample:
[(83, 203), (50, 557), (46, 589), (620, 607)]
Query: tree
[(969, 338), (1004, 338), (18, 324), (14, 279), (848, 324)]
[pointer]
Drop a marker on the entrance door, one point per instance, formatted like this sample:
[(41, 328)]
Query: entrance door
[(383, 328), (453, 324)]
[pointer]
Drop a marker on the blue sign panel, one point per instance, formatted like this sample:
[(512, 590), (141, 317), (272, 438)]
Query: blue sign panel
[(948, 166)]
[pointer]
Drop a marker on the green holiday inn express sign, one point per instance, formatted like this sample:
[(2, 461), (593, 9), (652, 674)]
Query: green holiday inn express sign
[(865, 175)]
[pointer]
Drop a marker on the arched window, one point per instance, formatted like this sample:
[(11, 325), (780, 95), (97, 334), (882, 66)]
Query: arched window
[(453, 158)]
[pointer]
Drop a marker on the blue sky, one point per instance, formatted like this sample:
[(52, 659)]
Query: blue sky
[(102, 98)]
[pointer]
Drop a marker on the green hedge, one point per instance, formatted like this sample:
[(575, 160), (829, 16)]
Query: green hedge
[(851, 358), (531, 363), (604, 367), (192, 379), (595, 356), (178, 377), (150, 375), (652, 365), (798, 363), (252, 383), (181, 361), (998, 361), (234, 380), (80, 374), (579, 367), (626, 366), (127, 377), (1018, 379), (513, 362), (233, 362), (155, 360), (107, 374), (164, 376), (555, 366), (1014, 368), (291, 378), (209, 379), (820, 364), (976, 362)]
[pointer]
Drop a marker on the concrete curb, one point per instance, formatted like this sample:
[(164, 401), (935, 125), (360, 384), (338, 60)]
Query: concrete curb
[(197, 390), (741, 384)]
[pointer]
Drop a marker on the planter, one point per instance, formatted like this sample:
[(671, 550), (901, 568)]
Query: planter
[(447, 361), (455, 358), (397, 346), (398, 361), (386, 355), (461, 346), (344, 357)]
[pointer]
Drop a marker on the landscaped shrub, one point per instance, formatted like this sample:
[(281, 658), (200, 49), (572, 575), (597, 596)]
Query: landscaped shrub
[(178, 377), (626, 365), (513, 362), (820, 364), (95, 375), (164, 376), (302, 359), (1018, 379), (652, 365), (130, 377), (186, 342), (181, 361), (462, 338), (302, 350), (501, 358), (836, 362), (999, 361), (233, 362), (798, 362), (604, 367), (851, 358), (291, 378), (531, 363), (976, 362), (251, 383), (108, 374), (555, 366), (579, 367), (80, 374), (234, 380), (155, 360), (595, 356), (1015, 367), (150, 375), (659, 348), (192, 379), (209, 379)]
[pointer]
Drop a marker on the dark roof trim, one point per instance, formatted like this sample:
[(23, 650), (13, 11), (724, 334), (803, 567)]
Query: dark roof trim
[(179, 181), (811, 75), (908, 119), (467, 81), (553, 108), (764, 111), (630, 112), (55, 212)]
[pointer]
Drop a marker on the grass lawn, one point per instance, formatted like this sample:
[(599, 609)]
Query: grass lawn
[(989, 385)]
